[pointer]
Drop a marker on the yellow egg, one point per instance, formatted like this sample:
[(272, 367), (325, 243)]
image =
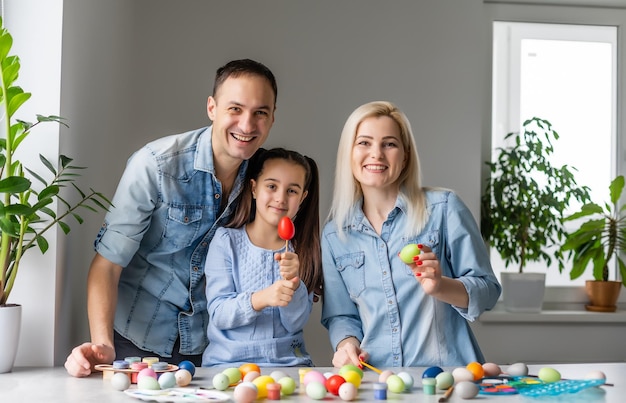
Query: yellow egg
[(353, 377), (261, 384)]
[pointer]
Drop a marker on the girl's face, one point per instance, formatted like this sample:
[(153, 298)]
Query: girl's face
[(378, 155), (279, 190)]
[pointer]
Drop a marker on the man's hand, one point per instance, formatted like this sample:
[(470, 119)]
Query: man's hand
[(83, 358)]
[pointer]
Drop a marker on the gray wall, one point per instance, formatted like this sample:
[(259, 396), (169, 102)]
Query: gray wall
[(136, 70)]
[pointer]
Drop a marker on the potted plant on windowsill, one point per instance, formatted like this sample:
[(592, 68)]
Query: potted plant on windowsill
[(523, 205), (26, 208), (599, 241)]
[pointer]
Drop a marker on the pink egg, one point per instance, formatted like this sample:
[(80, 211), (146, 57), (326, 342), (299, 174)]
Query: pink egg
[(314, 376), (382, 377), (146, 372), (183, 377), (245, 392), (347, 391), (491, 369), (251, 376)]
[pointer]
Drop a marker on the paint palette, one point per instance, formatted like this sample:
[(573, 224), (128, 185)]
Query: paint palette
[(108, 371), (533, 387), (178, 395)]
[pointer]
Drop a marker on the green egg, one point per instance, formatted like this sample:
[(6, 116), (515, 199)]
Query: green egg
[(350, 367), (444, 380), (148, 382), (408, 252), (395, 384), (233, 374), (288, 385), (549, 375), (221, 381)]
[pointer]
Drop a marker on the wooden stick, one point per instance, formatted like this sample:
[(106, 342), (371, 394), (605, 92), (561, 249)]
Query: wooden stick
[(446, 395), (378, 371)]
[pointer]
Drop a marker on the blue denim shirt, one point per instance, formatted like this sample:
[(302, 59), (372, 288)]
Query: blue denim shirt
[(371, 294), (274, 336), (166, 212)]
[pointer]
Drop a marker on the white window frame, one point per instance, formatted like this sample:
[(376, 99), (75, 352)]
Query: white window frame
[(511, 109)]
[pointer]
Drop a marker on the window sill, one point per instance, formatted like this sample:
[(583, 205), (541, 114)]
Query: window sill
[(554, 313)]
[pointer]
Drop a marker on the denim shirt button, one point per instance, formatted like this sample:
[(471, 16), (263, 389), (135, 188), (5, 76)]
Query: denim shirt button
[(217, 195), (186, 219), (195, 268), (204, 244)]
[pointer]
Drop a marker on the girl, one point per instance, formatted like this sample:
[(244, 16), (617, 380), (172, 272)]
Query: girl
[(259, 292)]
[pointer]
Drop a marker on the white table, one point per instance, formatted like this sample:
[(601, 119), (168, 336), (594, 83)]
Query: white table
[(54, 385)]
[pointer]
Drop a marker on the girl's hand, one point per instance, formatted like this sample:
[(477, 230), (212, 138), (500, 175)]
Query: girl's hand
[(278, 294), (427, 270), (289, 265)]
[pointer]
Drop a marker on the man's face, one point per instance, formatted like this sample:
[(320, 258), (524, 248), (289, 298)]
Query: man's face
[(242, 112)]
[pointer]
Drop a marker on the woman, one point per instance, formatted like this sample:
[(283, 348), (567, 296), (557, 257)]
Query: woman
[(377, 308)]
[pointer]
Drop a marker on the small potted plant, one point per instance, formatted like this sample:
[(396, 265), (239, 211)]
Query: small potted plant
[(598, 242), (27, 197), (523, 206)]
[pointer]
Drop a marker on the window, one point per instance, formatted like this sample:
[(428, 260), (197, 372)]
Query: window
[(565, 74)]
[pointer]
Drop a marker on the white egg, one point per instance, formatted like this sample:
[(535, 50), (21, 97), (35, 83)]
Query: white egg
[(408, 380), (167, 380), (595, 375), (278, 374), (461, 374), (120, 381), (466, 389), (517, 369)]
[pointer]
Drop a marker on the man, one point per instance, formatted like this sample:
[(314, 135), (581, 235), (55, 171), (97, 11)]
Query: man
[(145, 288)]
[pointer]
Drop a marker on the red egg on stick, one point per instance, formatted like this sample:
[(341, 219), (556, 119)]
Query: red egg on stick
[(286, 230)]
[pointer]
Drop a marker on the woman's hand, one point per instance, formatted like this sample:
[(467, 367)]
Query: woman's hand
[(349, 352), (427, 270)]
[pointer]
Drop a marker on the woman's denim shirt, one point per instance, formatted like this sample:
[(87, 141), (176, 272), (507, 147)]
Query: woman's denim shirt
[(371, 294), (167, 208)]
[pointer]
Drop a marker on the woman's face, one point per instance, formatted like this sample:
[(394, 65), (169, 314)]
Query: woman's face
[(378, 155)]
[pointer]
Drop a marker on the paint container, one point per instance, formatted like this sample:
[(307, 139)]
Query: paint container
[(428, 384), (302, 372), (136, 367), (380, 391), (150, 360), (130, 360), (273, 391)]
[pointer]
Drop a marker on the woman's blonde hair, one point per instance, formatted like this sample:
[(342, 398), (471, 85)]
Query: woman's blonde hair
[(347, 190)]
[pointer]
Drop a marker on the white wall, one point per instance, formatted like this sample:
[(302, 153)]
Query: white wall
[(134, 71), (36, 280)]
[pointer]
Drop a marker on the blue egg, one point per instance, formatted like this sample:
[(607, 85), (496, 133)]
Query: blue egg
[(432, 372), (188, 365)]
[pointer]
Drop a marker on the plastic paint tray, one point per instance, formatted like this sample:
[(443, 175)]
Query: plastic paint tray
[(560, 387), (533, 387)]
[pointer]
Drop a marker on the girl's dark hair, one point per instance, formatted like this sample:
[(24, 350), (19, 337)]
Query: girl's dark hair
[(306, 241)]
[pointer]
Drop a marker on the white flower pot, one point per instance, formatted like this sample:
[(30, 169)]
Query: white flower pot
[(523, 292), (10, 323)]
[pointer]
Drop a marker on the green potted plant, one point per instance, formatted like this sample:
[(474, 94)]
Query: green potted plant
[(599, 241), (27, 197), (523, 206)]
